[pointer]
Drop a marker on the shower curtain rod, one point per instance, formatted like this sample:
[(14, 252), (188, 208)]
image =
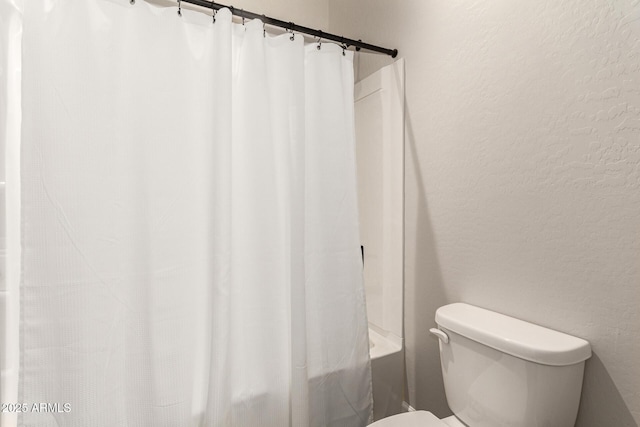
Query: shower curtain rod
[(358, 44)]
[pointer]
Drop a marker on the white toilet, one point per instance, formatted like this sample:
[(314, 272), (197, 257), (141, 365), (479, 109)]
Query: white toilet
[(499, 371)]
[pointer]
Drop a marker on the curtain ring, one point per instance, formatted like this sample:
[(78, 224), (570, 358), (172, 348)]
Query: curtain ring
[(179, 7)]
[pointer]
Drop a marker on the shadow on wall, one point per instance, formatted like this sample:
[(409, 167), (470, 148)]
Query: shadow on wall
[(424, 292), (601, 399)]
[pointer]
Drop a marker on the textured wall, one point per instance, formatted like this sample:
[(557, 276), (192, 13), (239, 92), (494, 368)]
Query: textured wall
[(522, 175)]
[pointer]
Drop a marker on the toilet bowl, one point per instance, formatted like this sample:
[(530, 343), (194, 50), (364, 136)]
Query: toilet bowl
[(417, 419), (501, 371), (411, 419)]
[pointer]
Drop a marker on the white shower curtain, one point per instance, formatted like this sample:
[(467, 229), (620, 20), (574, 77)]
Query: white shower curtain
[(190, 249)]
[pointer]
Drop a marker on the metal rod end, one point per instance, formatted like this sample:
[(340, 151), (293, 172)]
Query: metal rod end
[(394, 53)]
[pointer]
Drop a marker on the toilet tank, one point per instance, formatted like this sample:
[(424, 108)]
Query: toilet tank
[(501, 371)]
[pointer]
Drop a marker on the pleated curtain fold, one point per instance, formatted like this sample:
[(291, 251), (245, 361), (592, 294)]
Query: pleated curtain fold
[(190, 247)]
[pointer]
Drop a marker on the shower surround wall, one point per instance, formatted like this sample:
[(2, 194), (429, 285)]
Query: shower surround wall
[(522, 175)]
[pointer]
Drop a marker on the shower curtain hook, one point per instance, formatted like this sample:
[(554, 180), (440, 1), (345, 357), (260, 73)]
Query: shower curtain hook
[(290, 29), (264, 28), (320, 41), (179, 7), (242, 12), (344, 45), (214, 12)]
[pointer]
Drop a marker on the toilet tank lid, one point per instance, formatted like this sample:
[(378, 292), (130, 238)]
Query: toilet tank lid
[(513, 336)]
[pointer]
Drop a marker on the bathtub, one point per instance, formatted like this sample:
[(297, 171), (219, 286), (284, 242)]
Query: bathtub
[(387, 367)]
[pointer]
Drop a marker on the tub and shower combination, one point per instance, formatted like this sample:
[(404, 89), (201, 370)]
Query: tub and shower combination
[(379, 119), (96, 281), (387, 365)]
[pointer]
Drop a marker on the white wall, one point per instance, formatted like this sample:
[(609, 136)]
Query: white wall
[(522, 175)]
